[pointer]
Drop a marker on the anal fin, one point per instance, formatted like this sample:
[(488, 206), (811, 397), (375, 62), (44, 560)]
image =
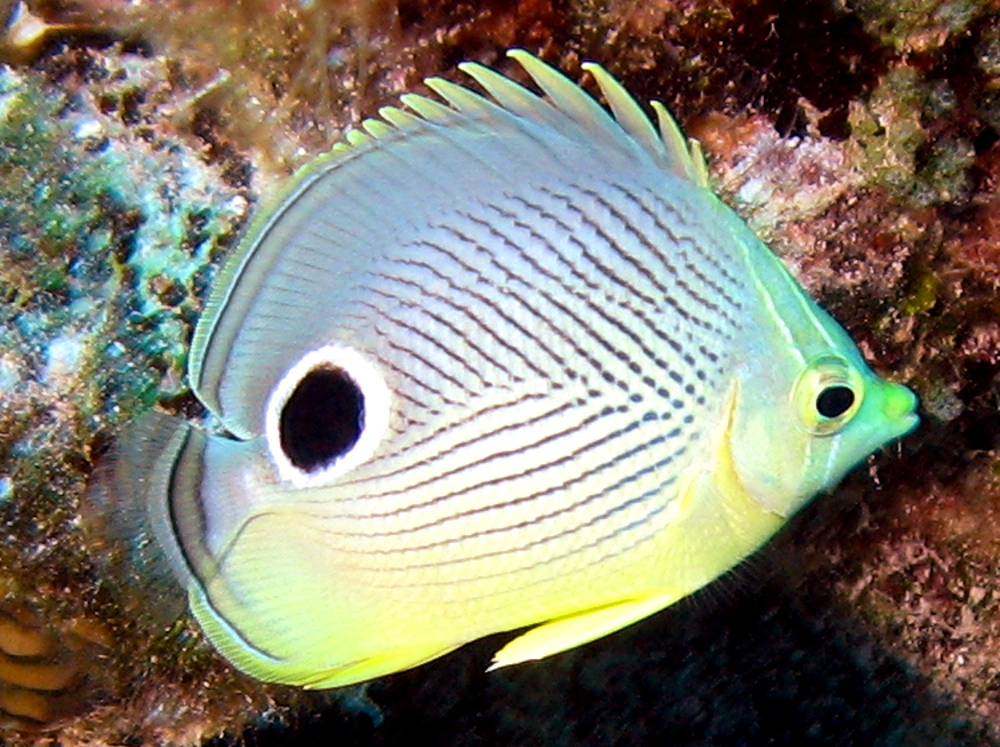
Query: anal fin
[(364, 670), (565, 633)]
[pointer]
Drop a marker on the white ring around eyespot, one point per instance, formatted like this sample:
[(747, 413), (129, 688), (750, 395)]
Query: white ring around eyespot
[(377, 406)]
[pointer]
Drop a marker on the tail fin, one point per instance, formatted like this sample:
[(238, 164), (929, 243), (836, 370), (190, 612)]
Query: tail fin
[(125, 510)]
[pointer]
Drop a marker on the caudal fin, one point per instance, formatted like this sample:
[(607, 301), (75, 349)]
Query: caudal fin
[(125, 512)]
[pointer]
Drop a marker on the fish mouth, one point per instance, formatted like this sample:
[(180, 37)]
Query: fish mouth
[(900, 409), (910, 422), (904, 427)]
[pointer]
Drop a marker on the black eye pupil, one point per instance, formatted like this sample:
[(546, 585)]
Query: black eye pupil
[(322, 419), (834, 401)]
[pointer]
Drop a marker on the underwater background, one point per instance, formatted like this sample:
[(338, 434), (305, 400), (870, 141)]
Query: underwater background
[(858, 137)]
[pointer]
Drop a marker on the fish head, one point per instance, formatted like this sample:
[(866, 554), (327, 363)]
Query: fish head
[(806, 408)]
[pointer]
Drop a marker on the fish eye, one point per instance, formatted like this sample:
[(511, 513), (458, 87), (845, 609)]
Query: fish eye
[(827, 395), (326, 416), (834, 401), (322, 418)]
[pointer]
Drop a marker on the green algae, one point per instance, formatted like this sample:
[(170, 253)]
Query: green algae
[(100, 274), (107, 242), (916, 25), (923, 295), (888, 130), (93, 238), (988, 62), (895, 150), (943, 177)]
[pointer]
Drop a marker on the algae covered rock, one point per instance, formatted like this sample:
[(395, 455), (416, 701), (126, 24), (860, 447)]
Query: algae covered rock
[(862, 138), (108, 235)]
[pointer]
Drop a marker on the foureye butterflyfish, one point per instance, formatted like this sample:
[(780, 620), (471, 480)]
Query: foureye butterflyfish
[(501, 360)]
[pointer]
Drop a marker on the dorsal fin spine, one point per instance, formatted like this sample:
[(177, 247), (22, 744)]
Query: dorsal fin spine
[(427, 108), (357, 137), (512, 96), (397, 117), (628, 113), (377, 127), (461, 97), (564, 94), (699, 163), (688, 159)]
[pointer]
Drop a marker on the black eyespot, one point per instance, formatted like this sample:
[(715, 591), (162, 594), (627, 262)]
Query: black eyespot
[(322, 419), (834, 401)]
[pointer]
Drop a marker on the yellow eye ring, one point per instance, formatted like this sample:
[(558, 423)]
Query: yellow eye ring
[(827, 395)]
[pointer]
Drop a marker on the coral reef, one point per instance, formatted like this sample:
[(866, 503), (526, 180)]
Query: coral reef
[(107, 234), (861, 138)]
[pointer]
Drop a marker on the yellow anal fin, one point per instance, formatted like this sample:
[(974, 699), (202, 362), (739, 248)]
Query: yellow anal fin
[(569, 632)]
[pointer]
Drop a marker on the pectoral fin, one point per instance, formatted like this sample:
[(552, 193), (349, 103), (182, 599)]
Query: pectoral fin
[(565, 633)]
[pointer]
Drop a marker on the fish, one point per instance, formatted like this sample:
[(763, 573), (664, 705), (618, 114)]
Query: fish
[(500, 360)]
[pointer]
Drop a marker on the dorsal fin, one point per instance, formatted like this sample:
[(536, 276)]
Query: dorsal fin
[(562, 99), (565, 95), (687, 153), (377, 127), (427, 108), (627, 112), (461, 97), (512, 96)]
